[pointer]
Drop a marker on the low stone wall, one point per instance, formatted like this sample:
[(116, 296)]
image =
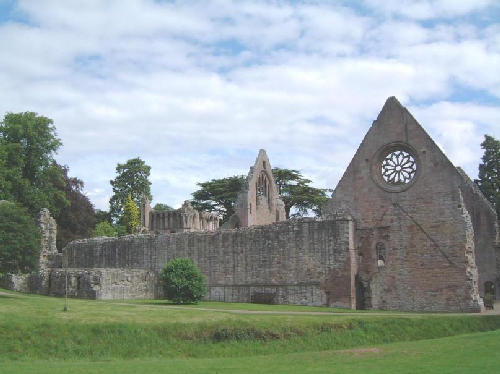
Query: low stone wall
[(16, 282), (103, 283), (292, 262)]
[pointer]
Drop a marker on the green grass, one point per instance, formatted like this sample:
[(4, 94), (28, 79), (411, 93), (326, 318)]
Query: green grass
[(35, 328), (464, 354), (257, 307)]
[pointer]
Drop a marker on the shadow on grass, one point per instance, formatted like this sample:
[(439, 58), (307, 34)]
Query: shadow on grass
[(168, 303), (3, 296)]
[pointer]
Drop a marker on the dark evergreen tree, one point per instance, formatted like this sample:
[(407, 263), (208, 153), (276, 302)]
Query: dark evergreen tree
[(218, 195), (297, 194), (489, 171)]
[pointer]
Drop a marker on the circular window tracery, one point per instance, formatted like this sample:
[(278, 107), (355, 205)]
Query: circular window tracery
[(398, 167)]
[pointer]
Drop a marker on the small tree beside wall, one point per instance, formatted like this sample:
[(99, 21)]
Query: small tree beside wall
[(183, 282)]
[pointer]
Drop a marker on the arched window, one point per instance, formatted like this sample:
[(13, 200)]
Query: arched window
[(381, 254), (263, 189)]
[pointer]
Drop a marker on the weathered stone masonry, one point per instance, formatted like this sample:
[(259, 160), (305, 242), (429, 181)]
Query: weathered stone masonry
[(424, 240), (293, 262)]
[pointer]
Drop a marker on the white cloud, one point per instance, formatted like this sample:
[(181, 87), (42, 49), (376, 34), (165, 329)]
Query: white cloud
[(428, 9), (196, 88)]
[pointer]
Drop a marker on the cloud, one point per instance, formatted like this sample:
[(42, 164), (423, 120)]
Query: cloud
[(427, 9), (196, 88)]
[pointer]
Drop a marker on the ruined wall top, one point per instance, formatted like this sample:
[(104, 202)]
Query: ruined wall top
[(48, 229), (184, 219)]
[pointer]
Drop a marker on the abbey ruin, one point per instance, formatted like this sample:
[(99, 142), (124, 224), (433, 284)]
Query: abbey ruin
[(404, 230)]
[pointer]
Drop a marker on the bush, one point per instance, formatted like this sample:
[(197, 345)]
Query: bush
[(19, 240), (183, 282)]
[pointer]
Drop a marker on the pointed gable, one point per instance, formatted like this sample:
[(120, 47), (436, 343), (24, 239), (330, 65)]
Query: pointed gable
[(417, 236), (259, 202)]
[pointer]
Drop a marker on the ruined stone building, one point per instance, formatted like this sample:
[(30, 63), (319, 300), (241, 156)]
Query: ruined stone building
[(404, 230), (184, 219), (425, 235), (259, 202)]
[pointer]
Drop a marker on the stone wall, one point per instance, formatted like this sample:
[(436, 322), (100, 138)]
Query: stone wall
[(485, 230), (416, 241), (294, 262), (104, 283)]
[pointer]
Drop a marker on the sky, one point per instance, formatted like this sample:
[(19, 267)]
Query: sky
[(196, 88)]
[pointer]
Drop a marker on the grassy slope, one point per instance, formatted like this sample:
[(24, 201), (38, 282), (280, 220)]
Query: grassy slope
[(36, 328), (464, 354)]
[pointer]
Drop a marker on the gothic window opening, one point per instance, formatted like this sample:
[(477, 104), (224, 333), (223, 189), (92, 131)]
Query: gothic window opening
[(398, 167), (263, 188), (381, 254)]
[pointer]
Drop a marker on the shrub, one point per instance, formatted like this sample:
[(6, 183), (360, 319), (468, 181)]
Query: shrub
[(183, 282), (19, 240)]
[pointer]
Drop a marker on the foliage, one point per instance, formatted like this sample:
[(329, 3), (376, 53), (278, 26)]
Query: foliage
[(102, 216), (132, 179), (297, 194), (104, 228), (19, 240), (131, 217), (77, 220), (218, 195), (28, 171), (489, 171), (183, 282), (162, 207)]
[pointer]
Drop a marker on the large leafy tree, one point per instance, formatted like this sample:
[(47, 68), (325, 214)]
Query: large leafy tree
[(76, 220), (218, 195), (132, 179), (297, 193), (19, 239), (30, 176), (489, 171)]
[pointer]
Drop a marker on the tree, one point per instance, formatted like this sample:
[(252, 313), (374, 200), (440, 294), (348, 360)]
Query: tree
[(104, 228), (159, 207), (102, 216), (489, 171), (183, 282), (218, 195), (30, 175), (19, 239), (297, 194), (133, 180), (131, 218), (77, 220)]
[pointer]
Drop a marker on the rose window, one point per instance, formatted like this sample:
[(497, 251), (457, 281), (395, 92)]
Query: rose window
[(398, 167)]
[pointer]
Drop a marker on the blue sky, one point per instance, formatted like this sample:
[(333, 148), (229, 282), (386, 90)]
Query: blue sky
[(196, 88)]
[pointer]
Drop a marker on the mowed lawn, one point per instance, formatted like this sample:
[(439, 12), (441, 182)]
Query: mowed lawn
[(37, 336)]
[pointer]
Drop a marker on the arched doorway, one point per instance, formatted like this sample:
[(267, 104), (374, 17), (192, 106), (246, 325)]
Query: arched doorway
[(489, 295)]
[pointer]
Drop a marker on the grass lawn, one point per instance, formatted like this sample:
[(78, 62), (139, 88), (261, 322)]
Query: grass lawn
[(471, 353), (36, 335)]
